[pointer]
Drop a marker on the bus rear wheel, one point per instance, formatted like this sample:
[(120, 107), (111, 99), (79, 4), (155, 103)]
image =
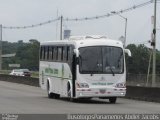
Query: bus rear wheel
[(50, 94), (112, 99)]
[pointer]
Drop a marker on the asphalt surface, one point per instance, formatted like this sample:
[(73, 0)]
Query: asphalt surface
[(18, 99)]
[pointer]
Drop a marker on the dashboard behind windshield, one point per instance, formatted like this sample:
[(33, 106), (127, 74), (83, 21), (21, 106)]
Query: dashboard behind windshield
[(101, 60)]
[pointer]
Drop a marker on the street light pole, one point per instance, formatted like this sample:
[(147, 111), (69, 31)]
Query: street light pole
[(61, 25), (154, 47), (125, 32), (1, 47)]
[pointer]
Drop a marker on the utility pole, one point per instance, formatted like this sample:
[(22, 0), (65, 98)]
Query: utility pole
[(1, 47), (125, 32), (148, 73), (61, 27), (154, 47)]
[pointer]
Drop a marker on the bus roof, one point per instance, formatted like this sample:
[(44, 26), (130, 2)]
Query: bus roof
[(83, 42)]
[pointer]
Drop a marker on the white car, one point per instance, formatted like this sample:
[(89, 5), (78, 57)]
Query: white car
[(20, 72)]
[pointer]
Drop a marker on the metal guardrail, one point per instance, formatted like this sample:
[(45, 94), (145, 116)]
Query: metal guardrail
[(34, 74), (20, 79), (132, 79), (141, 80)]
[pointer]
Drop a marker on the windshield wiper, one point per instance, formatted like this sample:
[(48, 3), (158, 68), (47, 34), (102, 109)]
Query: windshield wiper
[(110, 68)]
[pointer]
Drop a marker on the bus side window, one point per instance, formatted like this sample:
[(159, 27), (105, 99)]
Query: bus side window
[(56, 53), (47, 53), (68, 52), (59, 53), (71, 54), (52, 53), (41, 51), (44, 51), (64, 53)]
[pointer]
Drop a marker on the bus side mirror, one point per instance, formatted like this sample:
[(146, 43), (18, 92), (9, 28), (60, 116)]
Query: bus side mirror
[(128, 52), (76, 52)]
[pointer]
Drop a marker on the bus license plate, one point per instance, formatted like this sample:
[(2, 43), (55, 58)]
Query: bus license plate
[(102, 91)]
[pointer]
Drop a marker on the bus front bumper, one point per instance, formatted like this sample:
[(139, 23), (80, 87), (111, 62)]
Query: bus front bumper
[(109, 92)]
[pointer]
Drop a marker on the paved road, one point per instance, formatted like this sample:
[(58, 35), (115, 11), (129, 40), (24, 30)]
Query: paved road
[(17, 98)]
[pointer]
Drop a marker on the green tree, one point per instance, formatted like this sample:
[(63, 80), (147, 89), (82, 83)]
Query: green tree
[(140, 58), (27, 54)]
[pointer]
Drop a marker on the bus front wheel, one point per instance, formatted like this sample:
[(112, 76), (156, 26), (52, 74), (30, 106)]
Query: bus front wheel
[(69, 92), (112, 99)]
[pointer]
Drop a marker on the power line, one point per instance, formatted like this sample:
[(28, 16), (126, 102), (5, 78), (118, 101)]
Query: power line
[(81, 19), (109, 14), (31, 26)]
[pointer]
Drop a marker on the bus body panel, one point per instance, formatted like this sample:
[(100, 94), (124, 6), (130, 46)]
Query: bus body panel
[(101, 85), (58, 74)]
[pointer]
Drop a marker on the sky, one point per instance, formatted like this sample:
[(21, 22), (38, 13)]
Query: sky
[(30, 12)]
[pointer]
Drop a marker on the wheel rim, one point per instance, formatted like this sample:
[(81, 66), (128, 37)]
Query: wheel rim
[(69, 93), (48, 88)]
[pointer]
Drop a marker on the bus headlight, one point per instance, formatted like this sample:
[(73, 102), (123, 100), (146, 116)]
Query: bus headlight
[(120, 85), (82, 85)]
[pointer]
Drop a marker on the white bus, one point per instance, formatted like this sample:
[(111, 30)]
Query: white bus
[(83, 67)]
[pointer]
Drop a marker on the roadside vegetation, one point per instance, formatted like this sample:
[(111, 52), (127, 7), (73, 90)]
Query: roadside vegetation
[(27, 55)]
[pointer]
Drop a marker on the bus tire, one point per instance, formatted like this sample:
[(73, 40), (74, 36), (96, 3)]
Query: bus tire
[(50, 95), (69, 93), (112, 99), (56, 96)]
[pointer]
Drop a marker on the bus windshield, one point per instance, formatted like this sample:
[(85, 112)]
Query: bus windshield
[(101, 60)]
